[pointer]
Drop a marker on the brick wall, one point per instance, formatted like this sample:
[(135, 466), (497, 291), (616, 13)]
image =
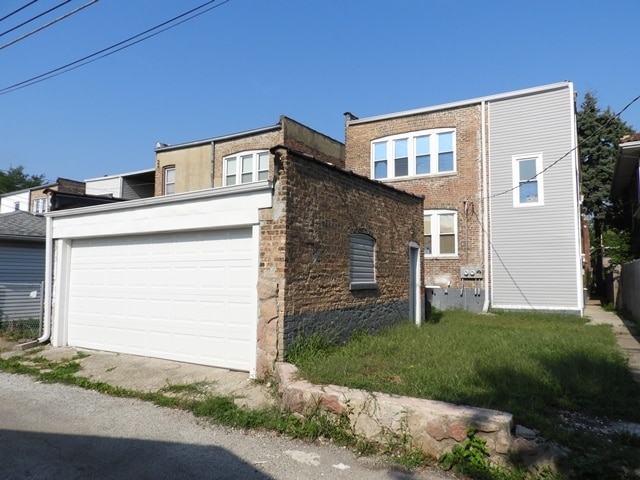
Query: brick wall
[(304, 259), (459, 191)]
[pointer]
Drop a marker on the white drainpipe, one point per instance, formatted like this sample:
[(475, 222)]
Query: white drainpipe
[(48, 277), (485, 208)]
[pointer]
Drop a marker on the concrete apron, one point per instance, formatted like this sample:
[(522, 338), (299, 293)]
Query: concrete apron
[(143, 374)]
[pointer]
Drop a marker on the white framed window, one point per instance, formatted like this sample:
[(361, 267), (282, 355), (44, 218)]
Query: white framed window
[(41, 205), (440, 233), (527, 180), (426, 152), (362, 262), (246, 167), (169, 180)]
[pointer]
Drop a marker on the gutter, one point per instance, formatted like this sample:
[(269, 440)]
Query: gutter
[(48, 282), (485, 206)]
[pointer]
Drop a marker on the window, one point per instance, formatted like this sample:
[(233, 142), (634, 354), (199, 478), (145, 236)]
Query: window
[(419, 153), (440, 233), (169, 180), (40, 205), (16, 206), (527, 180), (362, 269), (246, 167)]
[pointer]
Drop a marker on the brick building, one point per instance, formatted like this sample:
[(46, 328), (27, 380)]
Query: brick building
[(499, 175)]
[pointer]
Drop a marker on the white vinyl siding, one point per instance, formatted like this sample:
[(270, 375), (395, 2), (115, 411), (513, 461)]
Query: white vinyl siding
[(535, 252), (426, 152), (362, 262)]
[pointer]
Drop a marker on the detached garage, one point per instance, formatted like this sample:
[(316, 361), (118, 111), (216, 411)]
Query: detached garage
[(170, 277)]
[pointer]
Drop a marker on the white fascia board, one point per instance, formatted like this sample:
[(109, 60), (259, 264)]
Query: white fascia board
[(205, 209), (106, 177), (463, 103)]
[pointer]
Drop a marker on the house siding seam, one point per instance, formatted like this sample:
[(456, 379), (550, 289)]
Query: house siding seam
[(547, 232)]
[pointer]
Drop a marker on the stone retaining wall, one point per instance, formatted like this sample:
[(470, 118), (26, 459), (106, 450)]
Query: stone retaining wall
[(434, 426)]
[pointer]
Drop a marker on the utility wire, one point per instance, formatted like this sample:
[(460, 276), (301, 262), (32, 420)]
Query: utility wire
[(105, 52), (18, 10), (34, 18), (2, 47), (617, 115)]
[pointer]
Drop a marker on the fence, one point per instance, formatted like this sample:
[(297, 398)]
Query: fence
[(21, 307), (628, 292)]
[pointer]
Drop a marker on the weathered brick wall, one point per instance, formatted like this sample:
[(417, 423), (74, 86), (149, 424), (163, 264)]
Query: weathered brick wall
[(306, 237), (459, 191)]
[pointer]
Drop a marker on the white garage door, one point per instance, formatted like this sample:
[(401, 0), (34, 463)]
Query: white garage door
[(186, 296)]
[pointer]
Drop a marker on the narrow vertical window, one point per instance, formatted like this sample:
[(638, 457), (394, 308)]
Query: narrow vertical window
[(527, 178), (169, 180), (230, 177), (423, 155), (445, 152), (380, 160), (401, 158), (263, 166)]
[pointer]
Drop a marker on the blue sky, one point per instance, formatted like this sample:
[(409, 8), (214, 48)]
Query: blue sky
[(242, 65)]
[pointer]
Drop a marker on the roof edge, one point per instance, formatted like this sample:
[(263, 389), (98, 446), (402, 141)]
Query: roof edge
[(463, 103)]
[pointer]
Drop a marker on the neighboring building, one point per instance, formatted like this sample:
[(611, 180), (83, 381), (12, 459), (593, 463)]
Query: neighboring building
[(500, 180), (231, 276), (34, 199), (238, 158), (626, 184), (126, 186), (22, 265)]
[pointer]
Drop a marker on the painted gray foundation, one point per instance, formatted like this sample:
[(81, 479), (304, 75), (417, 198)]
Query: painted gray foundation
[(445, 299), (339, 325)]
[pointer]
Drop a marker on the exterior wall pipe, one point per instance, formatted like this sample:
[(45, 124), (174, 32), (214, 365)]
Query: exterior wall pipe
[(485, 205), (48, 282)]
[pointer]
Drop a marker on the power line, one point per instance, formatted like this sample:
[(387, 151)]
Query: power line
[(18, 10), (34, 18), (105, 52), (48, 24)]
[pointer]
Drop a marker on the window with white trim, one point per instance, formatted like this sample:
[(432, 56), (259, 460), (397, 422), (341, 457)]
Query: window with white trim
[(41, 205), (169, 180), (246, 167), (527, 180), (362, 262), (426, 152), (440, 233)]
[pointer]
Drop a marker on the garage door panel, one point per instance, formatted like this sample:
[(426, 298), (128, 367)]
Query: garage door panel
[(187, 296)]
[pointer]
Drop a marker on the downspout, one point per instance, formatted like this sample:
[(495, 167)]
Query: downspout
[(48, 282), (485, 207), (213, 163)]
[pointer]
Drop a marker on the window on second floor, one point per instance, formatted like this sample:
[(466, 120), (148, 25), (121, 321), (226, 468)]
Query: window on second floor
[(527, 180), (41, 205), (246, 167), (440, 233), (418, 153), (169, 180)]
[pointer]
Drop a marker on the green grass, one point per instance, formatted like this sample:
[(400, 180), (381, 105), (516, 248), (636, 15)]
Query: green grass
[(531, 365)]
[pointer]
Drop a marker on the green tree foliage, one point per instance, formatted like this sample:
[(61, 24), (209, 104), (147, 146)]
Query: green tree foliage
[(599, 133), (15, 179)]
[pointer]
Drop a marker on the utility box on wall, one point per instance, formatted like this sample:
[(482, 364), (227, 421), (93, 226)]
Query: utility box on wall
[(471, 272)]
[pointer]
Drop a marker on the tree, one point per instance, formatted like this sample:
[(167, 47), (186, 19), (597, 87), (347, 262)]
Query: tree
[(599, 134), (15, 179)]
